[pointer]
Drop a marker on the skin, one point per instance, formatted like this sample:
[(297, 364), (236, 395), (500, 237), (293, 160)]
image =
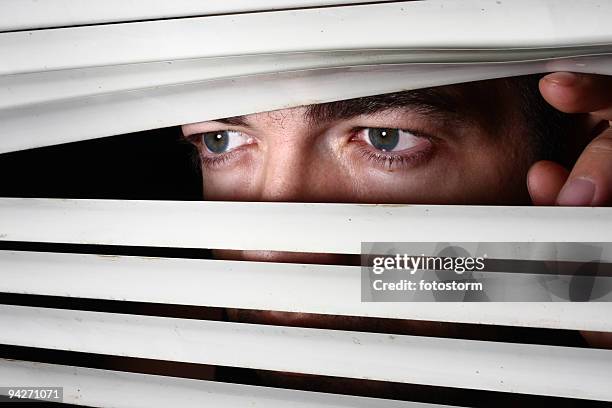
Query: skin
[(442, 163), (549, 183), (273, 160)]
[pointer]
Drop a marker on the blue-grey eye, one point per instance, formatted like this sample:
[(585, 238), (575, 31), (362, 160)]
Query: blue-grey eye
[(383, 139), (391, 139), (216, 142), (222, 141)]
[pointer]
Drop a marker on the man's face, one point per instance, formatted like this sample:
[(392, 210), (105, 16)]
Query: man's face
[(461, 144)]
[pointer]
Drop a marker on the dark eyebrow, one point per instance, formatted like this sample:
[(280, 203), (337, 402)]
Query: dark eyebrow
[(430, 101), (234, 121)]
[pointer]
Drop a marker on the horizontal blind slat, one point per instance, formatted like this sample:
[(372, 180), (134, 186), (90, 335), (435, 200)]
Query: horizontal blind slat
[(21, 90), (323, 289), (408, 25), (31, 14), (302, 227), (506, 367)]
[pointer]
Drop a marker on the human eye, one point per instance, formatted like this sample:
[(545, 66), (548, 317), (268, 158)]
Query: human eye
[(222, 141), (391, 147), (220, 146)]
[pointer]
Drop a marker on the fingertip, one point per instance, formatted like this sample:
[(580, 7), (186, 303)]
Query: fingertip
[(545, 179), (560, 89), (577, 192), (572, 92), (565, 79)]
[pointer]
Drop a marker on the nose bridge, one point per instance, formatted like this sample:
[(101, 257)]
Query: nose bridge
[(286, 170)]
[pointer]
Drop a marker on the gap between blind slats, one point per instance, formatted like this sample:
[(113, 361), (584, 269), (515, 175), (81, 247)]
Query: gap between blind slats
[(323, 289), (301, 227), (505, 367), (104, 388)]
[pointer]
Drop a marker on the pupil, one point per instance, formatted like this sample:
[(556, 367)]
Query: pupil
[(216, 142), (383, 139)]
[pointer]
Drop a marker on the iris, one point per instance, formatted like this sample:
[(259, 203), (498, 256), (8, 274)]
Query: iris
[(384, 139), (216, 142)]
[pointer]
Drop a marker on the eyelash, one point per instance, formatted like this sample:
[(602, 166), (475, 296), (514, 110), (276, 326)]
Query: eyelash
[(217, 160), (214, 160), (389, 160)]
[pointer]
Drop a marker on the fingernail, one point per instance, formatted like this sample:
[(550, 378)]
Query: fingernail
[(579, 192), (563, 78)]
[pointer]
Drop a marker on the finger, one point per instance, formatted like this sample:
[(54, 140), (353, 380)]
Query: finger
[(544, 182), (590, 182), (579, 93)]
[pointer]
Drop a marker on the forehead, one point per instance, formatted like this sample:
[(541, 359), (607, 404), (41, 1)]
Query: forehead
[(481, 102)]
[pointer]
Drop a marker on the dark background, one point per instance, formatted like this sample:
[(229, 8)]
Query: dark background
[(151, 165)]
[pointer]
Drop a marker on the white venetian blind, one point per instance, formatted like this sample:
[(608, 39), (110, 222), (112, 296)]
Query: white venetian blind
[(70, 71)]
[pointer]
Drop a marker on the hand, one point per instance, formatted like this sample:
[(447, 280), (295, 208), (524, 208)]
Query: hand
[(590, 181)]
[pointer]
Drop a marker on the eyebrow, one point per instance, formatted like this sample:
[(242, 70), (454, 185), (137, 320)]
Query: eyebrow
[(447, 103), (431, 101), (234, 121)]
